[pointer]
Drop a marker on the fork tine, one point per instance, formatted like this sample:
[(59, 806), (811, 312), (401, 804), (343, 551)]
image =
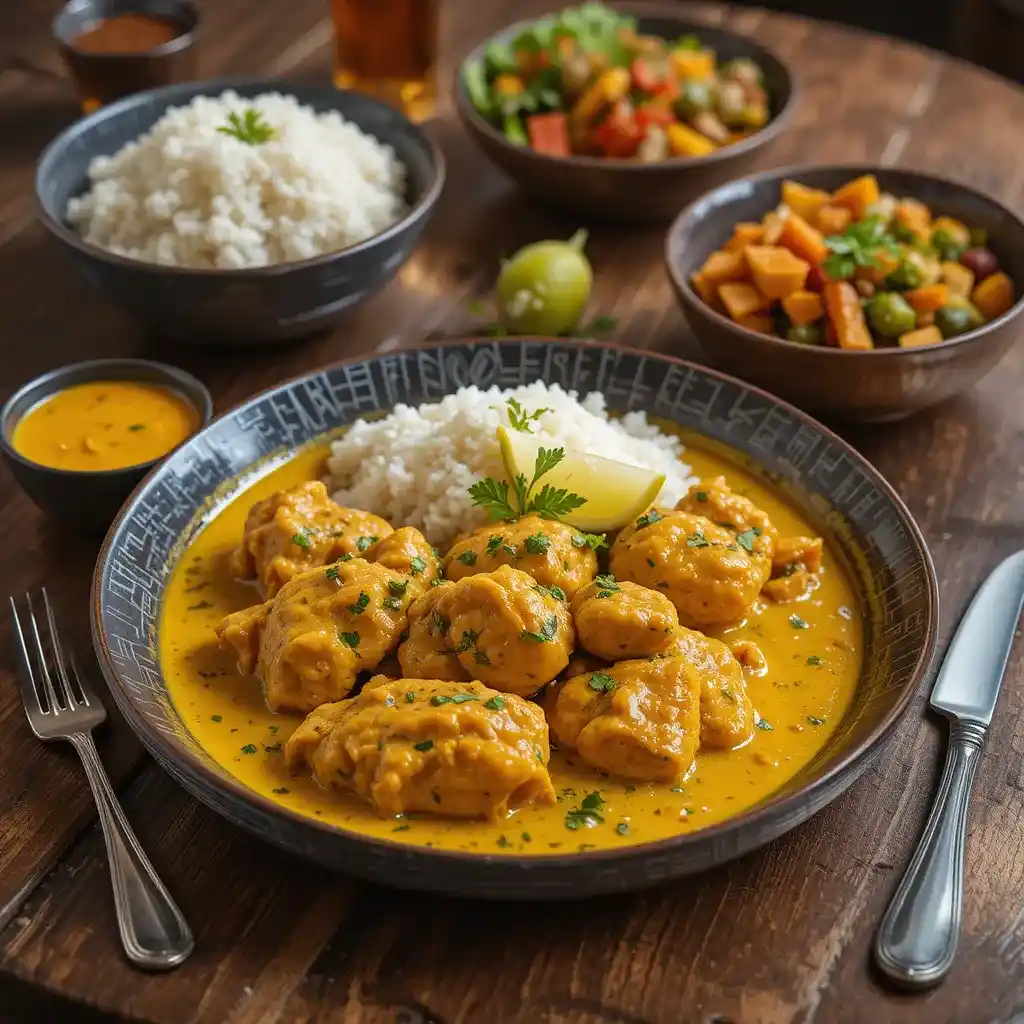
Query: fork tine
[(83, 686), (58, 653), (44, 672), (27, 678)]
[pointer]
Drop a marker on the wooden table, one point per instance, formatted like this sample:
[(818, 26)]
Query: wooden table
[(781, 935)]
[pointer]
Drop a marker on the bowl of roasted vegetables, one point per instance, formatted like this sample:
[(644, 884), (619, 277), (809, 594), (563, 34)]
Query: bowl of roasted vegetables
[(622, 116), (861, 293)]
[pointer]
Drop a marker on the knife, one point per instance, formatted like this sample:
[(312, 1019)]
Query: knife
[(917, 940)]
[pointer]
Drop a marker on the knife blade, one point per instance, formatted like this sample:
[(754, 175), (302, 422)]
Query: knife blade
[(972, 671), (917, 939)]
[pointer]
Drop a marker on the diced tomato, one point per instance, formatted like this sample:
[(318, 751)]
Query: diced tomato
[(619, 134), (659, 114), (816, 278), (667, 88), (643, 75), (549, 133)]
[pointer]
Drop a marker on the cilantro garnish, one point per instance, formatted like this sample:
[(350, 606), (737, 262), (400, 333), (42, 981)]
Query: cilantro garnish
[(416, 566), (361, 604), (814, 659), (606, 585), (331, 572), (548, 503), (424, 746), (797, 623), (495, 704), (653, 516), (459, 698), (697, 540), (594, 541), (537, 544), (860, 245), (301, 540), (363, 543), (547, 631), (467, 558), (602, 682), (469, 639), (349, 639), (248, 127), (747, 537), (520, 419), (588, 813)]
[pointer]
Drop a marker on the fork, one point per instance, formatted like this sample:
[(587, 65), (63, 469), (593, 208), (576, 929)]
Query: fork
[(61, 706)]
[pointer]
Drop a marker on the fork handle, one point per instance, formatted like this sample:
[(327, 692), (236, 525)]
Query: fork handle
[(154, 932)]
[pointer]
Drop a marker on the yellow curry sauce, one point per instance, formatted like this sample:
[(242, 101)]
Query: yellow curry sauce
[(812, 647), (104, 425)]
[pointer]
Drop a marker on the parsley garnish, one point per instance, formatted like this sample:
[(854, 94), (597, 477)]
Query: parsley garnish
[(494, 543), (622, 828), (814, 659), (697, 540), (392, 603), (331, 572), (437, 623), (653, 516), (469, 639), (602, 682), (467, 558), (701, 496), (417, 565), (594, 541), (398, 587), (409, 697), (860, 245), (549, 502), (815, 721), (281, 790), (363, 543), (301, 540), (347, 557), (547, 631), (361, 604), (606, 585), (556, 592), (424, 746), (459, 698), (136, 427), (349, 639), (249, 127), (797, 623), (588, 813), (216, 718), (537, 544), (480, 657), (520, 419), (249, 748), (495, 704), (763, 723), (747, 537)]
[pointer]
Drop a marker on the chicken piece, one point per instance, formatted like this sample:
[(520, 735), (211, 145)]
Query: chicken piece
[(425, 653), (429, 746), (622, 620), (321, 629), (795, 563), (710, 573), (502, 626), (726, 713), (408, 552), (554, 554), (636, 719), (716, 500), (297, 529)]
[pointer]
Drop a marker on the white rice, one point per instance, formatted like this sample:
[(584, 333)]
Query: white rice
[(186, 195), (414, 466)]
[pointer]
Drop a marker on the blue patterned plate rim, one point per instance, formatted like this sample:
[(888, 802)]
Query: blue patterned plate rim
[(125, 596)]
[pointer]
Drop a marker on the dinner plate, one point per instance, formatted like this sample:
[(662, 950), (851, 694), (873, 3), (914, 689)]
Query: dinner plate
[(837, 490)]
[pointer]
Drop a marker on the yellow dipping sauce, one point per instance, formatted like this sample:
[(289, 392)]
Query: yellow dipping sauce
[(104, 425), (813, 648)]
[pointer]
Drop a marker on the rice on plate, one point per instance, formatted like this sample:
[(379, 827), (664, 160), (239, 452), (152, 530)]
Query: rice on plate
[(416, 465), (194, 192)]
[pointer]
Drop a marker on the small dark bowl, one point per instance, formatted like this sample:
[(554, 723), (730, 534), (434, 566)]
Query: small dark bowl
[(102, 78), (256, 305), (626, 191), (88, 501), (876, 386)]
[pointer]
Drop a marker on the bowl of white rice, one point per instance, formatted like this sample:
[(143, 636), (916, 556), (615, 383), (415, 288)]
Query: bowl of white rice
[(239, 212)]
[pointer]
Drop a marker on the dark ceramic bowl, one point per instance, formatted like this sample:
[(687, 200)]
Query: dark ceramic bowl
[(874, 386), (626, 191), (239, 307), (104, 77), (865, 523), (88, 501)]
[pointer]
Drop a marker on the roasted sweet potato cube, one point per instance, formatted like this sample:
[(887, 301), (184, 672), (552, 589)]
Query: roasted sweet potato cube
[(741, 299), (802, 200), (776, 271), (857, 195), (923, 336), (722, 266), (803, 307)]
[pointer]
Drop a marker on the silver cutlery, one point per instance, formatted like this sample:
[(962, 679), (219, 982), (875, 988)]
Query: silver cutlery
[(61, 706), (918, 936)]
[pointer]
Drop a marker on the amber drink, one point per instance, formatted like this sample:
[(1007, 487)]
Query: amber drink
[(388, 48)]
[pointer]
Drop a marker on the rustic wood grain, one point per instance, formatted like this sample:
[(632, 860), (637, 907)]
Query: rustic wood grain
[(780, 936)]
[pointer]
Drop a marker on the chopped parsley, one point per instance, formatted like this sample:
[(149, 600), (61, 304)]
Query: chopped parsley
[(417, 565), (547, 631), (606, 586), (469, 639), (648, 518), (438, 623), (363, 543), (697, 540), (249, 748), (459, 698), (281, 790), (216, 718), (651, 562), (136, 427), (520, 419), (398, 587), (747, 537), (409, 697), (392, 603), (480, 657), (814, 659), (362, 603), (701, 496), (537, 544), (797, 623), (588, 813), (602, 682), (494, 543), (763, 723), (424, 746), (622, 828), (502, 842), (815, 721), (594, 541), (495, 704), (467, 558), (400, 828), (556, 592), (301, 540), (347, 557), (331, 572), (349, 639)]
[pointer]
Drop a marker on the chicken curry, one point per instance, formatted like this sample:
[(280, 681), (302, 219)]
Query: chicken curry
[(522, 691)]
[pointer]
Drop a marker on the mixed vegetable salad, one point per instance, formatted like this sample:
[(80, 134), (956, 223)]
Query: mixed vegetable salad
[(584, 82), (855, 268)]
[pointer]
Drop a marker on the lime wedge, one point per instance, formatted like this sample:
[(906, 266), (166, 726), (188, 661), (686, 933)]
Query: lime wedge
[(616, 492)]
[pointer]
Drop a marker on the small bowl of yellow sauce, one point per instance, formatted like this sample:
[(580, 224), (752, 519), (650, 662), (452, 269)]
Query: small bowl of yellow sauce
[(79, 439)]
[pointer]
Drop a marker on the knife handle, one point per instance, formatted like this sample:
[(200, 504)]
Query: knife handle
[(918, 937)]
